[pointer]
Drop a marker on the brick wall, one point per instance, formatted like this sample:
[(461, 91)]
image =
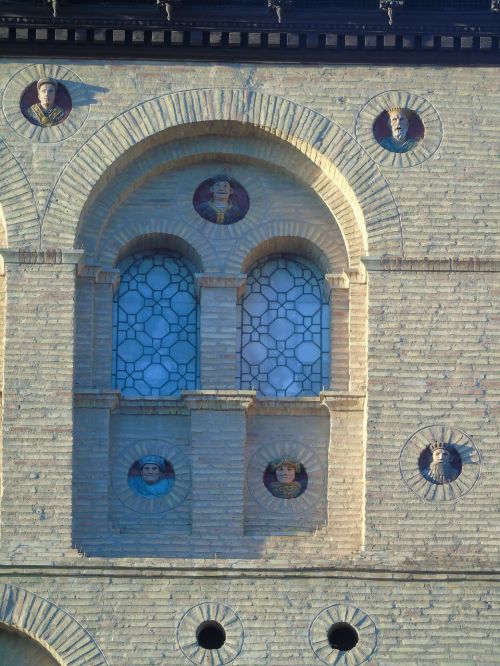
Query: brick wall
[(414, 342)]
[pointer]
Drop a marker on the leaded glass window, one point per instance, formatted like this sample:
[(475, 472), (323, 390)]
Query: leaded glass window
[(154, 325), (285, 333)]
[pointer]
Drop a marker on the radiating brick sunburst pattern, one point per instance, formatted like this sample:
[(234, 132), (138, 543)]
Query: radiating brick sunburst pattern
[(427, 115), (59, 633), (361, 623), (222, 615), (75, 87), (460, 444)]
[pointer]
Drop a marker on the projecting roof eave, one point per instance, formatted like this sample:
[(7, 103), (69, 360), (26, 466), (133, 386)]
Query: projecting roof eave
[(251, 33)]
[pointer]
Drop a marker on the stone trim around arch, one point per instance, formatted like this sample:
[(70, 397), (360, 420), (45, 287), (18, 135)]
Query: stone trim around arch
[(345, 163), (64, 638), (21, 221)]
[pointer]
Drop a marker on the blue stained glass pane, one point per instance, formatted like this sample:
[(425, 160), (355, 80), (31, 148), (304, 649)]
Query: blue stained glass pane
[(286, 316), (156, 299)]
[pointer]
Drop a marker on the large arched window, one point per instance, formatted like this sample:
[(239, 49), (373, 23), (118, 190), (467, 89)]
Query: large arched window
[(154, 325), (285, 334)]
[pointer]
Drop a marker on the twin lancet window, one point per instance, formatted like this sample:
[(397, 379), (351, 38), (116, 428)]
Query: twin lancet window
[(284, 336), (155, 322)]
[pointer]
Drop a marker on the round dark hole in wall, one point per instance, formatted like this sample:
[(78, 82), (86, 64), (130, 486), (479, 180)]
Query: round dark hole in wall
[(210, 635), (342, 636)]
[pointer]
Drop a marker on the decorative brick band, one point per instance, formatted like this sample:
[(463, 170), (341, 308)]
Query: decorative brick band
[(64, 638), (430, 264)]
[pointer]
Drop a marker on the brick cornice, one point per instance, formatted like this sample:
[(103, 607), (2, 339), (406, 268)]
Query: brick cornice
[(310, 36)]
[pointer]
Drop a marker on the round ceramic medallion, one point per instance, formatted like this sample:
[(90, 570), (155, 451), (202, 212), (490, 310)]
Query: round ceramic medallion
[(221, 199), (399, 129), (210, 633), (440, 463), (151, 476), (67, 111), (286, 478), (343, 635)]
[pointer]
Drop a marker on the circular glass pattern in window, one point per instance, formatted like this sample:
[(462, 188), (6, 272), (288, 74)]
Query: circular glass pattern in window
[(221, 200), (285, 477), (151, 476), (398, 129), (46, 102)]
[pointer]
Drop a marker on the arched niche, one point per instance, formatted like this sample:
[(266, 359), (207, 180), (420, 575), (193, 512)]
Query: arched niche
[(56, 632), (153, 198), (160, 241), (343, 164)]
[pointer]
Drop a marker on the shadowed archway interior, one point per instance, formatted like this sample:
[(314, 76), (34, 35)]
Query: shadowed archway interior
[(19, 650)]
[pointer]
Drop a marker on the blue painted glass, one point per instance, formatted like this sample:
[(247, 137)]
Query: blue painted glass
[(284, 328), (154, 326)]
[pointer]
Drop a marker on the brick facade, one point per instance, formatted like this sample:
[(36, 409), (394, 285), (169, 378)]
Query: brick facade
[(411, 259)]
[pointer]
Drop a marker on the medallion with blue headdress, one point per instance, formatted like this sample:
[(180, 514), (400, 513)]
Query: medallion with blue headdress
[(151, 476)]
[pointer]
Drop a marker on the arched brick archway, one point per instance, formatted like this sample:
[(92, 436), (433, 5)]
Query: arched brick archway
[(102, 239), (43, 621), (345, 164), (19, 218)]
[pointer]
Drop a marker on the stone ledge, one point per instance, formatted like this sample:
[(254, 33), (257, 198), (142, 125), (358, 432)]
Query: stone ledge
[(343, 401), (96, 399), (223, 399), (104, 568), (48, 256), (100, 274), (302, 406)]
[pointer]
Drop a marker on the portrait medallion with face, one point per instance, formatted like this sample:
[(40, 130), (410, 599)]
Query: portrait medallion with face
[(46, 102), (151, 476), (440, 463), (221, 200), (398, 130), (285, 478)]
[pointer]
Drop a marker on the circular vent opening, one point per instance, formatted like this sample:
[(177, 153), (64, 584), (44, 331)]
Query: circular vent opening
[(210, 635), (342, 636)]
